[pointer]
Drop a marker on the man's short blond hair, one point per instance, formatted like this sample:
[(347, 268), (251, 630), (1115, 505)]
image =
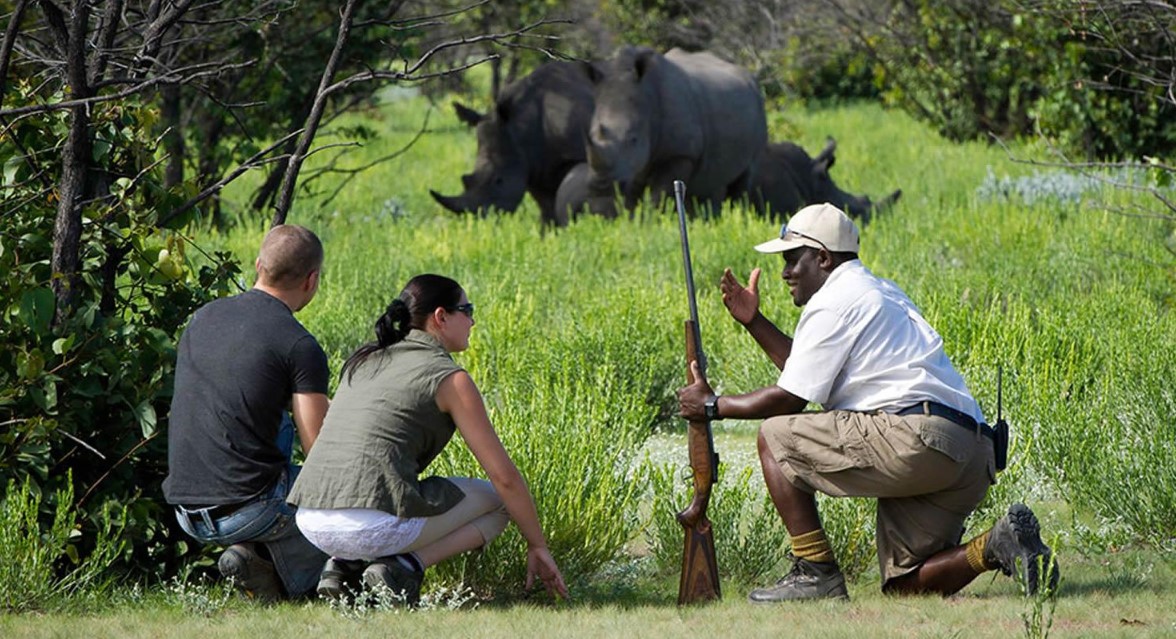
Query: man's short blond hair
[(288, 254)]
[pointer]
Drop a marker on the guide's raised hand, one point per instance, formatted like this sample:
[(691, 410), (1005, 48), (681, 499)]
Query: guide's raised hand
[(741, 301)]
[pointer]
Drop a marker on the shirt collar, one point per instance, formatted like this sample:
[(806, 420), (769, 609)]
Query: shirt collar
[(423, 337), (843, 270)]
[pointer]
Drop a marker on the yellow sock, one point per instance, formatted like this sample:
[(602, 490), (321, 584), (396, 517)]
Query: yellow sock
[(975, 552), (813, 546)]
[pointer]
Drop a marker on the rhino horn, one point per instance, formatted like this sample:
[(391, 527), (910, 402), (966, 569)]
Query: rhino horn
[(467, 115), (455, 204)]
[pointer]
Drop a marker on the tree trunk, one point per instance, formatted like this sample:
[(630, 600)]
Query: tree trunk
[(67, 227)]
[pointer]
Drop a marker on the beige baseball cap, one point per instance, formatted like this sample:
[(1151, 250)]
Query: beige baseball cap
[(819, 226)]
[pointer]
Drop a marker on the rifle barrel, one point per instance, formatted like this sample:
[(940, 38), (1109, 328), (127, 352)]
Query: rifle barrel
[(680, 202)]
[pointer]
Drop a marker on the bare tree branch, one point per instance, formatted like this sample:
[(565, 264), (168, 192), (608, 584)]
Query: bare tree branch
[(7, 44), (253, 162), (353, 172), (286, 191), (185, 76)]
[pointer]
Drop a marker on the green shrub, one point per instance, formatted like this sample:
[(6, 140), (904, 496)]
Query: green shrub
[(1009, 68), (85, 388)]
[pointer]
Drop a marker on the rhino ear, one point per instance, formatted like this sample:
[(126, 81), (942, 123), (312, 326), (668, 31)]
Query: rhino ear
[(821, 169), (827, 153), (467, 115), (593, 70), (644, 61)]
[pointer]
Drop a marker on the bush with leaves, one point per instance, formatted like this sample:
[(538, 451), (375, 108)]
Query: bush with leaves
[(81, 395), (1009, 68)]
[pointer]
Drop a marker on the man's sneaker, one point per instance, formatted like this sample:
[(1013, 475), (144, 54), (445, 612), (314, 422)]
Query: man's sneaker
[(806, 580), (388, 572), (251, 574), (1016, 537), (339, 578)]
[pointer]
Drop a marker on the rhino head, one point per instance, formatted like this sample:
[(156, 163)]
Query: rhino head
[(499, 178), (619, 139), (825, 190)]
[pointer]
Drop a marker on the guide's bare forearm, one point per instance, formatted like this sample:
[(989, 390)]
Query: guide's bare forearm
[(766, 402), (771, 340)]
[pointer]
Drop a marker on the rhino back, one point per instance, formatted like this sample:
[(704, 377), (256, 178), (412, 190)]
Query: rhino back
[(784, 178), (719, 103)]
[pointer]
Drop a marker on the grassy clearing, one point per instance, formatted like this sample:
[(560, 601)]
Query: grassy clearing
[(1119, 595), (578, 349)]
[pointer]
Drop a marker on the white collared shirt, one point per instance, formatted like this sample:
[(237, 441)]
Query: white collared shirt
[(862, 345)]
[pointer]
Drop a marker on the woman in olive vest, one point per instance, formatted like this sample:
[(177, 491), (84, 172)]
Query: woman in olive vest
[(361, 495)]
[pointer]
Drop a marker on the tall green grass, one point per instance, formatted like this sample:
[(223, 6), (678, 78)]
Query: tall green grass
[(578, 342), (40, 567)]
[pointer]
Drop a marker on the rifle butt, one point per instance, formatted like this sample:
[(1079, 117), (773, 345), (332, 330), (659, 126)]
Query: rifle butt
[(700, 571)]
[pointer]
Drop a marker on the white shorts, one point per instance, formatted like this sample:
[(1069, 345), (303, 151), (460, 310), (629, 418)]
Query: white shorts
[(358, 533)]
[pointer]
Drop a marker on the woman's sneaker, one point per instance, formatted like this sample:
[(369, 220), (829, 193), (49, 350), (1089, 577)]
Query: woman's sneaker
[(340, 578), (389, 573), (1016, 537), (251, 574)]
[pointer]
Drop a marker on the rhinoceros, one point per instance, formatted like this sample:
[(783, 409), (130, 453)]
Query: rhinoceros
[(788, 180), (679, 116), (530, 140)]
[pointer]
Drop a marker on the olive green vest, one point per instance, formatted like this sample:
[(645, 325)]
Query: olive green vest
[(381, 432)]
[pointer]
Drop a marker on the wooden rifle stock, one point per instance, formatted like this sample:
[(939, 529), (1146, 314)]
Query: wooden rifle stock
[(700, 568)]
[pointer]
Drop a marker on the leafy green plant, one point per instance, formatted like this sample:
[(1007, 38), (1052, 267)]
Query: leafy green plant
[(40, 567), (1013, 68), (83, 389)]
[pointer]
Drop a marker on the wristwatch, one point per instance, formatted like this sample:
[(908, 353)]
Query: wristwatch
[(711, 408)]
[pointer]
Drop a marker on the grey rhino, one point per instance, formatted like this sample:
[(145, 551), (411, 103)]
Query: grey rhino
[(679, 116), (533, 136), (788, 180)]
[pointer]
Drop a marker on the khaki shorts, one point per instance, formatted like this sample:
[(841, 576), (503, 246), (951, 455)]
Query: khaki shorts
[(927, 473)]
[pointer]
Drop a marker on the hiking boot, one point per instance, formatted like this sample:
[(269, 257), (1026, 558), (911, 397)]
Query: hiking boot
[(1017, 536), (339, 578), (806, 580), (252, 575), (388, 572)]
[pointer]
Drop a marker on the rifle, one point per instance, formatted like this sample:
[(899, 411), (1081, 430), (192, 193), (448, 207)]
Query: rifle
[(700, 568)]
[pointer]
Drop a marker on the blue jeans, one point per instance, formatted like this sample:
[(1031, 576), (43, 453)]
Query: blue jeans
[(269, 520)]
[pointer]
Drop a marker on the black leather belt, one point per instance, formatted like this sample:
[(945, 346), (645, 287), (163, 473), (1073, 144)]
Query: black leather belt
[(948, 413)]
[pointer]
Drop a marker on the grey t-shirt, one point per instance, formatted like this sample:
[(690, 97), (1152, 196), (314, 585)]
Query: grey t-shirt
[(239, 362)]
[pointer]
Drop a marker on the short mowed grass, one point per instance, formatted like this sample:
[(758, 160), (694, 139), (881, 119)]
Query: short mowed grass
[(578, 349), (1123, 594)]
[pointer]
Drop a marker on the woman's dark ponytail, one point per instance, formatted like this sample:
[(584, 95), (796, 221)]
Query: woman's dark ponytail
[(421, 296), (394, 324)]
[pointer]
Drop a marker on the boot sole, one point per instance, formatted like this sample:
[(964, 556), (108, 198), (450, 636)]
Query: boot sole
[(1027, 530)]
